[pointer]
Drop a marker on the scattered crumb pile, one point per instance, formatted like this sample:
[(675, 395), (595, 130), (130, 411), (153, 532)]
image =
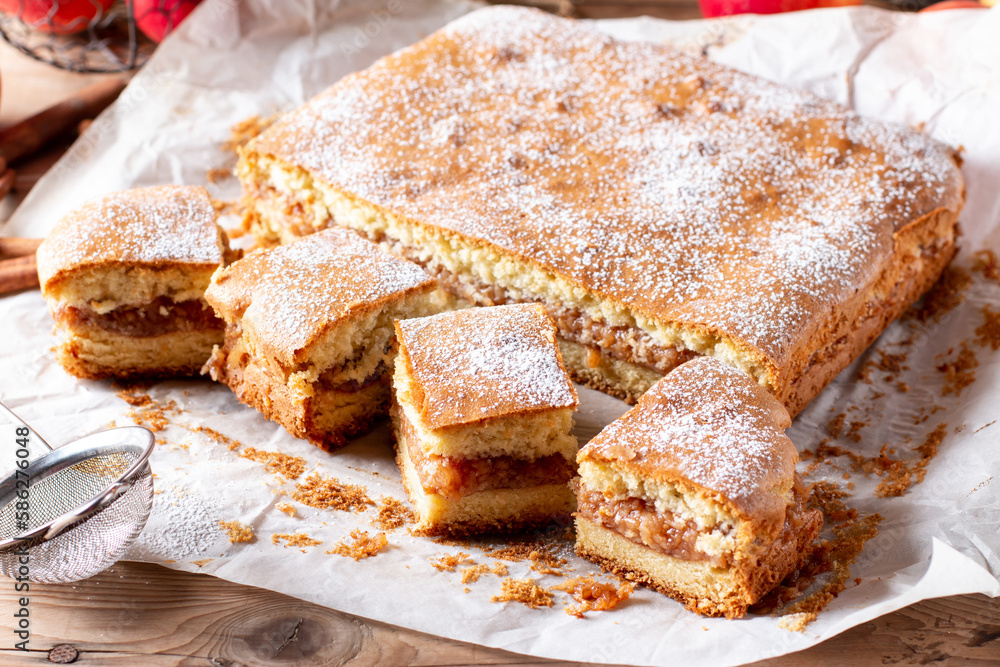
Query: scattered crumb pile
[(289, 467), (220, 438), (850, 533), (238, 532), (898, 474), (988, 333), (362, 547), (472, 573), (295, 540), (392, 514), (593, 595), (247, 129), (329, 493), (448, 562), (959, 369), (146, 411), (287, 508), (543, 558), (525, 591)]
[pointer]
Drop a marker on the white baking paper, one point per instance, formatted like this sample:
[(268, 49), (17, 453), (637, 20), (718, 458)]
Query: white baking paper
[(232, 60)]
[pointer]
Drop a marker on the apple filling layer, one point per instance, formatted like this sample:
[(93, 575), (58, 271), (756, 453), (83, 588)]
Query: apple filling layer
[(160, 316), (455, 478), (639, 521)]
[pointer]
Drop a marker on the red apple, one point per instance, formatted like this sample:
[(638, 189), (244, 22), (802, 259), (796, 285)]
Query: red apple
[(953, 4), (61, 17), (156, 18)]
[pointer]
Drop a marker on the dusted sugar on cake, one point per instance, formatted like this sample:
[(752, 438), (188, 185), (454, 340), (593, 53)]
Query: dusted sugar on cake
[(309, 331), (124, 276), (660, 206), (482, 414), (694, 492)]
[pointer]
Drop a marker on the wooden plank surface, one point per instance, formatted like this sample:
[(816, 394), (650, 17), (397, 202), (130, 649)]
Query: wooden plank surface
[(144, 614)]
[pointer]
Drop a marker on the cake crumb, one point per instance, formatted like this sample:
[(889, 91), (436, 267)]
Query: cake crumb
[(543, 558), (329, 493), (472, 573), (218, 175), (525, 591), (392, 514), (363, 546), (245, 130), (295, 540), (988, 333), (593, 595), (960, 371), (238, 532), (943, 296), (898, 475), (287, 508), (289, 467), (985, 263), (220, 438), (147, 411), (797, 622), (448, 562)]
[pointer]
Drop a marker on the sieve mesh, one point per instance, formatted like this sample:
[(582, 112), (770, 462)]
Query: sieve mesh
[(89, 546)]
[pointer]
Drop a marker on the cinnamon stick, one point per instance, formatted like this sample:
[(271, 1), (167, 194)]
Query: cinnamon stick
[(31, 134), (18, 273), (13, 246)]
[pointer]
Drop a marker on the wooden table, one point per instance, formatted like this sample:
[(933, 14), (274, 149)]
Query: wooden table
[(144, 614)]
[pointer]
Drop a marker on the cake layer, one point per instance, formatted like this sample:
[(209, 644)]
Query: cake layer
[(489, 511), (97, 354), (701, 208), (697, 584), (129, 248), (320, 301), (453, 477)]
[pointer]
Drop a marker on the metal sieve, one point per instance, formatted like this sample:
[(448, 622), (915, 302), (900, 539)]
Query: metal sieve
[(72, 513)]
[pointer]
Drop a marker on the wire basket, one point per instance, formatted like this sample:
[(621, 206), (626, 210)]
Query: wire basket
[(78, 35)]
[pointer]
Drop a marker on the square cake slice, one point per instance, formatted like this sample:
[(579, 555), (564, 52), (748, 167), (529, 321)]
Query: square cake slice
[(482, 414), (125, 276), (309, 331), (660, 206), (694, 492)]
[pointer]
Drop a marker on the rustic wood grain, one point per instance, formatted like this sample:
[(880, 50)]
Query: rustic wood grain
[(144, 614)]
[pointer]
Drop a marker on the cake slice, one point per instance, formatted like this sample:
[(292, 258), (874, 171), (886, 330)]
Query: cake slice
[(482, 414), (694, 492), (309, 331), (125, 276), (660, 206)]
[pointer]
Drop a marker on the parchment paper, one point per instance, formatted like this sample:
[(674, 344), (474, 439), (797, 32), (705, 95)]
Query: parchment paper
[(231, 60)]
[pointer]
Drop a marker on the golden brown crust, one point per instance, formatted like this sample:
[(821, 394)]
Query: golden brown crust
[(734, 215), (287, 299), (155, 228), (478, 364), (710, 430)]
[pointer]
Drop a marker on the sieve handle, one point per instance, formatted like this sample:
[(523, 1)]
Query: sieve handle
[(10, 413)]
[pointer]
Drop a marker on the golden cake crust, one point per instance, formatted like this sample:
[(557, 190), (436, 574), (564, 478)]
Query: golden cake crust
[(714, 209), (288, 298), (478, 364), (707, 429), (155, 228)]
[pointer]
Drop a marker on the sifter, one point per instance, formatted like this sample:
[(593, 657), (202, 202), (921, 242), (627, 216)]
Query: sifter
[(72, 513)]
